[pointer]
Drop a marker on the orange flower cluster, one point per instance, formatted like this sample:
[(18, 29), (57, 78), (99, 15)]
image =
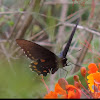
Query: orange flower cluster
[(64, 90), (94, 79), (67, 91)]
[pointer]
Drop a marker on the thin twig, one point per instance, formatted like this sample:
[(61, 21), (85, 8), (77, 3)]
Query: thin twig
[(83, 28), (7, 57)]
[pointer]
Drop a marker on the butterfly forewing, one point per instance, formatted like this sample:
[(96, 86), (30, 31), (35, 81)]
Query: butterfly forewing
[(35, 51)]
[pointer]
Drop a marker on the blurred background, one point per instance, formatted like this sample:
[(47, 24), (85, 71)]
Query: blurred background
[(49, 23)]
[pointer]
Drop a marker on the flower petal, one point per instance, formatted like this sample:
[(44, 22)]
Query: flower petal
[(51, 95), (73, 92), (59, 90), (92, 68)]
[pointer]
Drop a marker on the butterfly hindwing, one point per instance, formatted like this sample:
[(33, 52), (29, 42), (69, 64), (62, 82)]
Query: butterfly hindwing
[(40, 67)]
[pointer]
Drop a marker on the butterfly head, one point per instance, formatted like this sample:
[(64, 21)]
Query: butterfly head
[(64, 61)]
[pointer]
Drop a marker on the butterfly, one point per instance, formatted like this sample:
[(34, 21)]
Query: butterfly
[(43, 60)]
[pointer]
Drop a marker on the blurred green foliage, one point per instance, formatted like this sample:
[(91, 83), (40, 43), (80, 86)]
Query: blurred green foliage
[(72, 9), (21, 82)]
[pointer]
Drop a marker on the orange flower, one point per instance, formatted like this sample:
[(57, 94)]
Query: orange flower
[(59, 90), (68, 93), (73, 92), (96, 77), (96, 95), (94, 82), (51, 95), (99, 67), (58, 93), (92, 68)]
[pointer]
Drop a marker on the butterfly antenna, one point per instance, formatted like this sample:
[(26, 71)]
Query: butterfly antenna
[(75, 64), (65, 51), (75, 52)]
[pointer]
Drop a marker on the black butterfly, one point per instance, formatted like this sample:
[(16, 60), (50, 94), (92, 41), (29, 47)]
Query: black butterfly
[(45, 61)]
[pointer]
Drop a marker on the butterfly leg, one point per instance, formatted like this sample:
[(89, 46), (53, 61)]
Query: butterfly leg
[(54, 70), (68, 63)]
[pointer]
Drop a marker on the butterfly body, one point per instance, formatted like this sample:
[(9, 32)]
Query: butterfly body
[(43, 60)]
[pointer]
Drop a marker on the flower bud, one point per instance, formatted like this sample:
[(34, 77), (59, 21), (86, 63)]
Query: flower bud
[(76, 78), (77, 84), (83, 71), (62, 82)]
